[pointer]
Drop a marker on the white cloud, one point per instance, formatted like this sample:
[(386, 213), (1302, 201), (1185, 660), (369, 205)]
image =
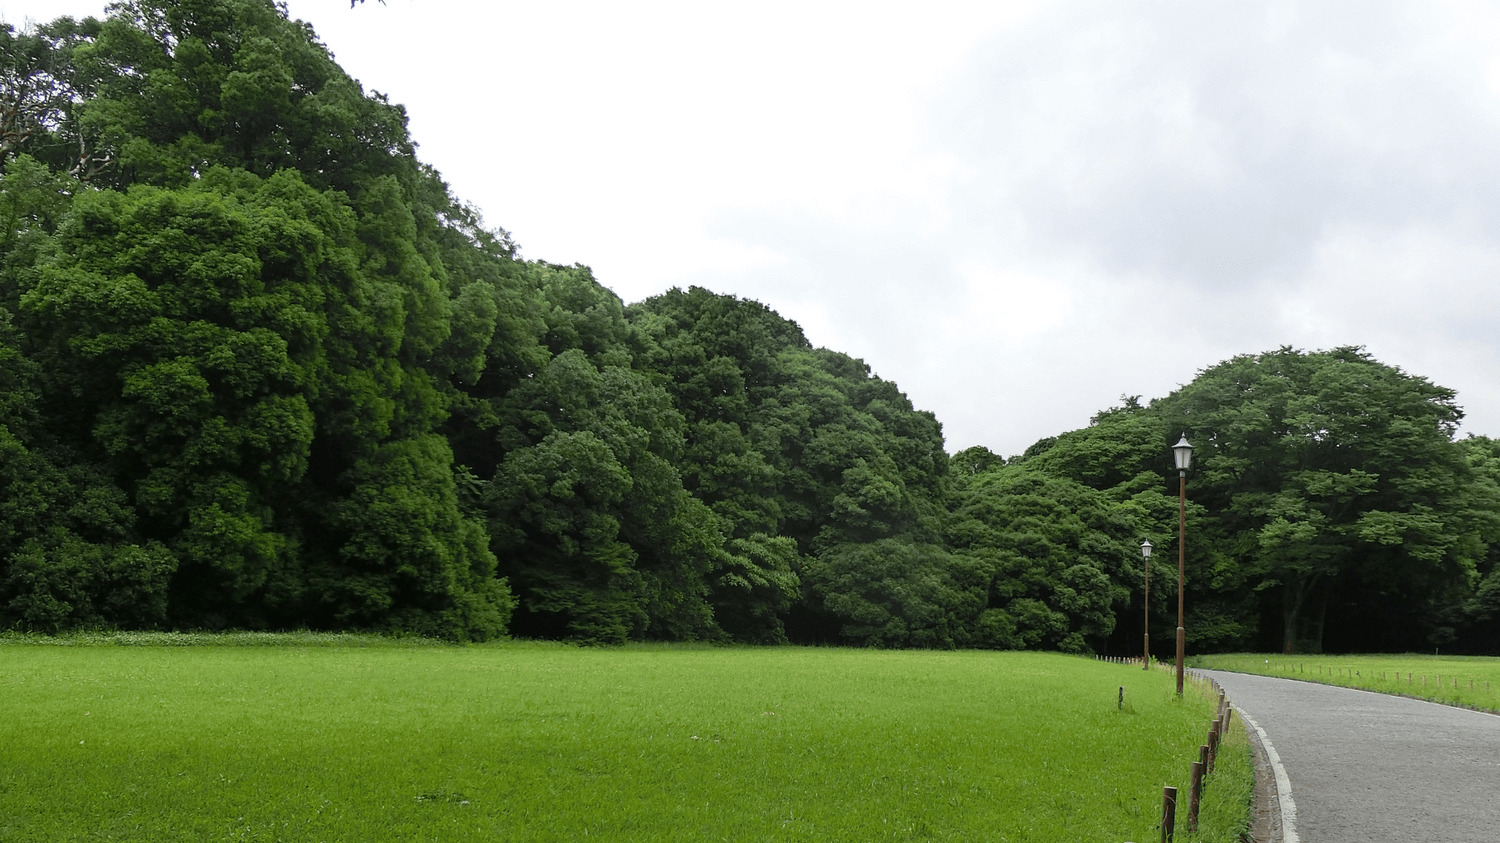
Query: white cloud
[(1003, 304)]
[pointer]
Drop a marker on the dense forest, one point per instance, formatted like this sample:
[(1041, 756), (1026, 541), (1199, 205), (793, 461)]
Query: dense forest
[(259, 368)]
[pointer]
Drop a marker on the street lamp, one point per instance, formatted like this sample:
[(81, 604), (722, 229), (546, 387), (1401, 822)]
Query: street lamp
[(1182, 452), (1146, 622)]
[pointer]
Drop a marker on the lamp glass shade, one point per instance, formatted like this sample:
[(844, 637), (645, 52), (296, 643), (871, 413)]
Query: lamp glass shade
[(1146, 549), (1183, 453)]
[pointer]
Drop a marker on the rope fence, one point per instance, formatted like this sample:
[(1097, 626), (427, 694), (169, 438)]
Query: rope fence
[(1412, 678)]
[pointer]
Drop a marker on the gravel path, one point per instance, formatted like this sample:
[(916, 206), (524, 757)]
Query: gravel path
[(1366, 767)]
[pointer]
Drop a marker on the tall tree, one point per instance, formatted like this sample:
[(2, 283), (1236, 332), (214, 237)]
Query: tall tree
[(1469, 618), (241, 328), (1336, 474), (588, 510), (790, 443)]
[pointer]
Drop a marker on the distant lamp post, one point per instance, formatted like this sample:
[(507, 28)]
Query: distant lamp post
[(1146, 623), (1182, 452)]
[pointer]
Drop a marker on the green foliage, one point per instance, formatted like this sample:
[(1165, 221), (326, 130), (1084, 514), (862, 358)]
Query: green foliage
[(971, 462), (1119, 452), (407, 554), (225, 316), (786, 438), (561, 546), (151, 304), (807, 444), (755, 587), (1326, 491), (1052, 557), (892, 593), (1330, 469), (587, 509), (59, 581), (1471, 622), (259, 368)]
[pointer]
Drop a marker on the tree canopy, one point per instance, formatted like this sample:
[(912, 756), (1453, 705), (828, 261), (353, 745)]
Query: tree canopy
[(1335, 480)]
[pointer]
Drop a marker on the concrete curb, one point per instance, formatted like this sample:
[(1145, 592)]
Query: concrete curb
[(1279, 813)]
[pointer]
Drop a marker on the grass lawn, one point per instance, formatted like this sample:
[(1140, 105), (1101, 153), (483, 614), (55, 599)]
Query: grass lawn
[(1469, 681), (334, 738)]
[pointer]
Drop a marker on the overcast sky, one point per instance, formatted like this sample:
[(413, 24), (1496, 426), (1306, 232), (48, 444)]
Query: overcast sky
[(1018, 212)]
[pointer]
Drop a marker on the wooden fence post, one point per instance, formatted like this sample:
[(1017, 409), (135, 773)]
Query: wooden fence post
[(1195, 792), (1168, 812)]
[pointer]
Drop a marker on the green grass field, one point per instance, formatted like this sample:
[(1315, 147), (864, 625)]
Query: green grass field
[(336, 738), (1469, 681)]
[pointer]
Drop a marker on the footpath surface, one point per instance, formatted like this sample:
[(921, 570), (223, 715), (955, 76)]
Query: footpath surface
[(1366, 767)]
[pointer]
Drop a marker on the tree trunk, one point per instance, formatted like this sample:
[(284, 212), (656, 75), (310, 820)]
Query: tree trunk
[(1289, 610), (1293, 598), (1319, 615)]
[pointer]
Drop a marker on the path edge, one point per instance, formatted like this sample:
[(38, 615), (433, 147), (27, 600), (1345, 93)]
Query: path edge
[(1282, 810)]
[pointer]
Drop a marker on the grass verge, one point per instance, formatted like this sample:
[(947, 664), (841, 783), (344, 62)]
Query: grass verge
[(311, 739), (1228, 792), (1467, 681)]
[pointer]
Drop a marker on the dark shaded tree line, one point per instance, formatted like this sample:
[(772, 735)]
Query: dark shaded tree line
[(259, 368)]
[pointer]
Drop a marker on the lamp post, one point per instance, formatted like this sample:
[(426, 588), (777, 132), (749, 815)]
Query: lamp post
[(1146, 621), (1182, 452)]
